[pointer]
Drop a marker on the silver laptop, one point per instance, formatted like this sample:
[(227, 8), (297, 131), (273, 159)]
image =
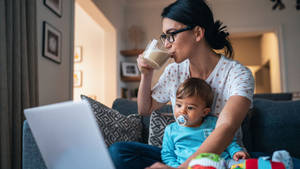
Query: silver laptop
[(68, 136)]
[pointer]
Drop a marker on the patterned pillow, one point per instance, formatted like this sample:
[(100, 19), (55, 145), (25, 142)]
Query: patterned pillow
[(115, 127), (158, 123)]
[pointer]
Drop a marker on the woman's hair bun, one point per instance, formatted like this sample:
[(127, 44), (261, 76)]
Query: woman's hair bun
[(217, 37)]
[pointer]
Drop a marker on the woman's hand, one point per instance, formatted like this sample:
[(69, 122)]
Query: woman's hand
[(143, 66), (240, 155), (159, 165)]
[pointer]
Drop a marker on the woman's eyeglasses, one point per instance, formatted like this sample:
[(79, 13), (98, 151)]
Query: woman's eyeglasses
[(170, 36)]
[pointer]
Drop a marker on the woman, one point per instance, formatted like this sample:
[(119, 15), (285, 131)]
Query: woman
[(191, 37)]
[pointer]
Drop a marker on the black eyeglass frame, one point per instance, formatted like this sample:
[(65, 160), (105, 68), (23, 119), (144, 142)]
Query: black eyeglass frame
[(170, 36)]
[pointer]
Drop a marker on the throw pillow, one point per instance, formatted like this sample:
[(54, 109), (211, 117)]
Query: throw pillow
[(158, 123), (114, 126)]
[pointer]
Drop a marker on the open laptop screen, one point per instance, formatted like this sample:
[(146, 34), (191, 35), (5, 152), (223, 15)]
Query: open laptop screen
[(68, 136)]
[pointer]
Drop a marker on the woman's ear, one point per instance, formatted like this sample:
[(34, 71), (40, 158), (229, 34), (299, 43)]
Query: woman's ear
[(198, 33)]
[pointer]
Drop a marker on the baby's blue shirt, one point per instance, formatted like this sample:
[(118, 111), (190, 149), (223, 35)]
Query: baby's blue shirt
[(180, 142)]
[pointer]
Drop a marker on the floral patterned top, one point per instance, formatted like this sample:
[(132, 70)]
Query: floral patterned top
[(228, 78)]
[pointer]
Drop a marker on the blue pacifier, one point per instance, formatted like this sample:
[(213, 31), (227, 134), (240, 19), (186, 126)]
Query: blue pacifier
[(182, 120)]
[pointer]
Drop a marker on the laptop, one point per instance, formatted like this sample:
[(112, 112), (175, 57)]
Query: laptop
[(68, 136)]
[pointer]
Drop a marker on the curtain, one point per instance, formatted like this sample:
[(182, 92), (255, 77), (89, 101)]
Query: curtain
[(18, 75)]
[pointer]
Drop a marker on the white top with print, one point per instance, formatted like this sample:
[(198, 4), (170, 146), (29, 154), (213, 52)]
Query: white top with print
[(227, 79)]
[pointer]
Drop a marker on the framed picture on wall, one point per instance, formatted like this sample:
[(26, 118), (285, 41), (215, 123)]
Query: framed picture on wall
[(77, 54), (52, 43), (130, 69), (77, 78), (55, 6)]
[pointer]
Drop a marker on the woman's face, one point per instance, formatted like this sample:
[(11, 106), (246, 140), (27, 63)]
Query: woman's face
[(184, 42)]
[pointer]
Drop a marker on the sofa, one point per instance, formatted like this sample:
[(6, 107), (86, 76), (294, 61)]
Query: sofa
[(272, 124)]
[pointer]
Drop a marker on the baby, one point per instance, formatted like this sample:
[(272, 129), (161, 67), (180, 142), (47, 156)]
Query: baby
[(193, 125)]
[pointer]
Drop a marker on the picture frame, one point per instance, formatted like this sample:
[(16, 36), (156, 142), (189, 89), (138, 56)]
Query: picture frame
[(55, 6), (129, 69), (51, 43), (78, 54), (77, 78)]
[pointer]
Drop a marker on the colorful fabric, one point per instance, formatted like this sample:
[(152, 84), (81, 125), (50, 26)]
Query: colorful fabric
[(214, 161), (207, 161), (259, 163), (284, 157)]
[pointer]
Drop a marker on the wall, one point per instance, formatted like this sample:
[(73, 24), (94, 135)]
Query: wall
[(114, 11), (258, 15), (262, 79), (55, 80), (239, 16), (109, 53), (146, 14), (90, 36), (269, 52), (242, 46)]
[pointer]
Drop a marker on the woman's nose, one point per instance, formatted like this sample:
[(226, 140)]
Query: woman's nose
[(167, 44)]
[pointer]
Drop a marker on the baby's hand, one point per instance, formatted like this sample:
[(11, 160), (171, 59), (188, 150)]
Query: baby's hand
[(240, 155)]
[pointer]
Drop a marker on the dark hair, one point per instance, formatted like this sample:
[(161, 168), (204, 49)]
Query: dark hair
[(195, 87), (197, 13)]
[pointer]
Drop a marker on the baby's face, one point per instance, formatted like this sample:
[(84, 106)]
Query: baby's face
[(194, 108)]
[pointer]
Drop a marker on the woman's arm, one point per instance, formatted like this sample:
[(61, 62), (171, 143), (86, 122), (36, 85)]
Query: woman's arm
[(228, 122), (146, 104)]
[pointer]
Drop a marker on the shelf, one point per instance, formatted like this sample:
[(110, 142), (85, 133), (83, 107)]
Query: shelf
[(133, 52), (131, 79)]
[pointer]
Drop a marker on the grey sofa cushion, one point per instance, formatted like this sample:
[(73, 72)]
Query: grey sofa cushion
[(158, 123), (126, 107), (32, 157), (275, 125), (246, 131), (115, 127), (274, 96)]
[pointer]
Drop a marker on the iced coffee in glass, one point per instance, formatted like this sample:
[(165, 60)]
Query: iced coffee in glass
[(155, 55)]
